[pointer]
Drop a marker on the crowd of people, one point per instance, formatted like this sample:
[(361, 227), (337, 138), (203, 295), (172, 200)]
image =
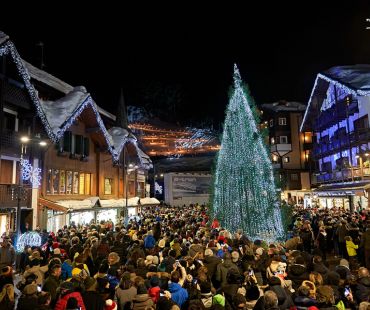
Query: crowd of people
[(178, 258)]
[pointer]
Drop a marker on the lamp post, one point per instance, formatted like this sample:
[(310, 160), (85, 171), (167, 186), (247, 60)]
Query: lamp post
[(24, 142)]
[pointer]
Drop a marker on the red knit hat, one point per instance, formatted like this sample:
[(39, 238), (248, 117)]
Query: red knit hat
[(110, 305)]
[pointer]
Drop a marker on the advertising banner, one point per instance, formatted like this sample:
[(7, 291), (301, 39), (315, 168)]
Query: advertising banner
[(191, 186)]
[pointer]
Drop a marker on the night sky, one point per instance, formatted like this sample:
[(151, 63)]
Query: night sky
[(189, 52)]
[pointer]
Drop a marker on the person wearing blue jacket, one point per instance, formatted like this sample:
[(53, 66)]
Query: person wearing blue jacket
[(149, 241), (178, 294)]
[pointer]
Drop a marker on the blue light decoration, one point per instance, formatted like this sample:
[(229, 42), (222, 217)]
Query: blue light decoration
[(340, 86), (7, 48), (30, 238), (158, 188), (30, 173)]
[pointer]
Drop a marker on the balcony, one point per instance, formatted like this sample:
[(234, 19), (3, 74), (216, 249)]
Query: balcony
[(339, 176), (9, 196), (10, 142), (280, 149)]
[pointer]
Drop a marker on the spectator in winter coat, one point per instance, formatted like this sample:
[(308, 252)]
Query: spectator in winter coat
[(210, 261), (284, 299), (223, 269), (52, 282), (154, 289), (126, 291), (268, 301), (7, 253), (149, 241), (362, 291), (178, 294), (114, 264), (91, 299), (303, 301), (66, 293), (297, 272), (66, 270), (365, 243), (142, 300), (28, 299), (37, 270)]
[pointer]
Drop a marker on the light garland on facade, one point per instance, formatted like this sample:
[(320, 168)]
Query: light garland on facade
[(342, 87), (9, 48), (158, 188), (30, 173), (245, 196)]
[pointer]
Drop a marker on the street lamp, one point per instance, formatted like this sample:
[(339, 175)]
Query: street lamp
[(25, 168)]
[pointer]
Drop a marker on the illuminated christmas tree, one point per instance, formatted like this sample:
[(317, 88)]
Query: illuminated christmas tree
[(245, 196)]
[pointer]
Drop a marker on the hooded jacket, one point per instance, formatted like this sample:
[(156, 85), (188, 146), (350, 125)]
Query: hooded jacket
[(178, 294), (362, 291), (222, 270), (297, 273)]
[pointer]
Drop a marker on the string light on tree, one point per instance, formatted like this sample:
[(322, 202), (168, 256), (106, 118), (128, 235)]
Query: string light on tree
[(245, 196)]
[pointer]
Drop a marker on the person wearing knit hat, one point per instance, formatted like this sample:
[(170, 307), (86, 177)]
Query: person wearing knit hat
[(110, 305), (162, 243), (208, 252), (344, 262), (30, 289), (149, 260), (56, 251)]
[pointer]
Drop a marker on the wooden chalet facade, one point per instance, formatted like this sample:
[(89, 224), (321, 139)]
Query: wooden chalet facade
[(85, 157)]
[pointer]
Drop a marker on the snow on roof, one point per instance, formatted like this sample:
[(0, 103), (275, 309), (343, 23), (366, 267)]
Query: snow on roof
[(284, 106), (3, 37), (59, 111), (58, 115), (76, 205), (149, 201), (356, 77), (47, 78), (58, 84), (119, 137), (353, 79)]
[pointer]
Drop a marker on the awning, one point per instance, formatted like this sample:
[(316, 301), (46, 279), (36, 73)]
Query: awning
[(42, 202), (343, 189)]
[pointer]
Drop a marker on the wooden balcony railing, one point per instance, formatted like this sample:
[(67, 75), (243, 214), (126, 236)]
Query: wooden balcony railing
[(9, 194), (343, 175)]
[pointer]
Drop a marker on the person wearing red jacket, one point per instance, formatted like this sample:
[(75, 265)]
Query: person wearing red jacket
[(154, 289), (67, 292)]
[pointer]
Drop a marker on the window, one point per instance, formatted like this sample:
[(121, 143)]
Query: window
[(294, 177), (108, 184), (87, 183), (286, 159), (55, 182), (282, 121), (48, 182), (271, 123), (75, 182), (272, 140), (69, 182), (82, 183), (62, 189), (283, 139)]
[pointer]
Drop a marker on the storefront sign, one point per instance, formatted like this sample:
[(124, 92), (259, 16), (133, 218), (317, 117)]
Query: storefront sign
[(334, 194)]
